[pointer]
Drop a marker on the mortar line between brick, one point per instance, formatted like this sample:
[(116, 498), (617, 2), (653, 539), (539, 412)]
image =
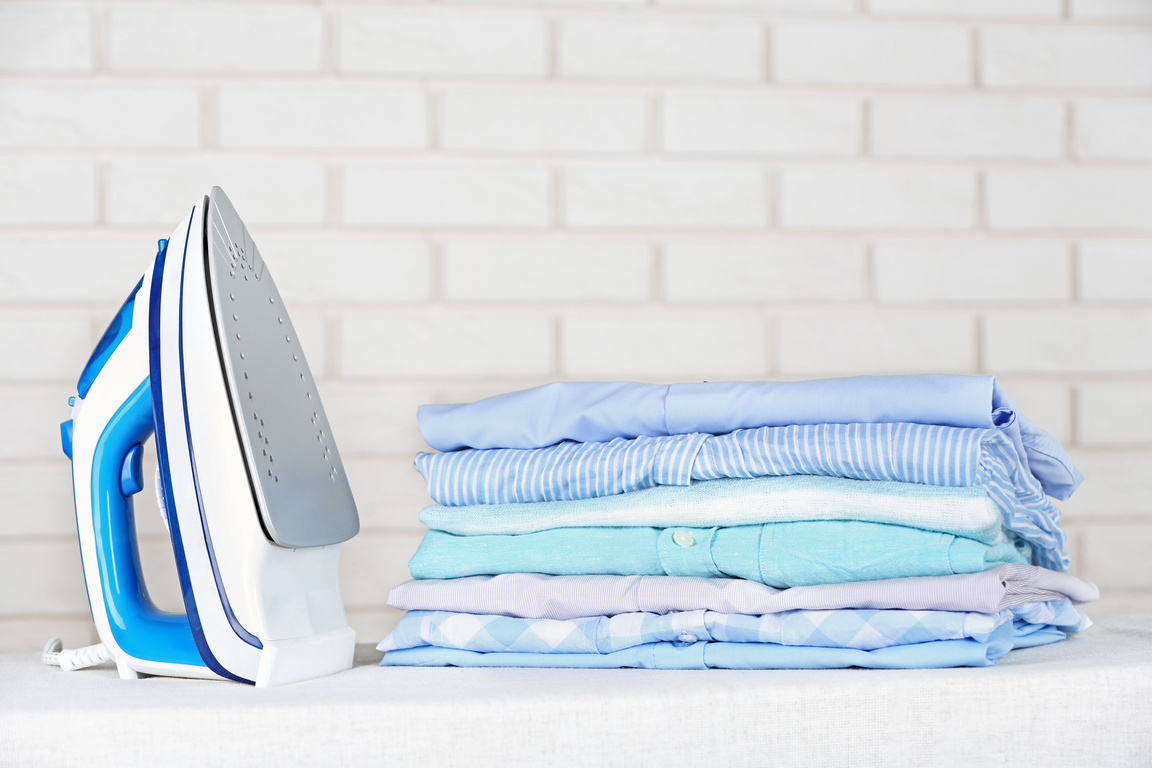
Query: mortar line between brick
[(766, 64), (556, 192), (773, 181), (210, 117), (553, 52), (100, 182), (658, 266), (1074, 268), (333, 331), (99, 35), (980, 330), (1074, 415), (434, 110), (557, 347), (436, 254), (333, 193), (772, 337), (1070, 132), (980, 217), (655, 116), (977, 75), (328, 38)]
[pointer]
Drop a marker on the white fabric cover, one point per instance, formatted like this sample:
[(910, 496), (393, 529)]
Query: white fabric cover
[(1084, 701)]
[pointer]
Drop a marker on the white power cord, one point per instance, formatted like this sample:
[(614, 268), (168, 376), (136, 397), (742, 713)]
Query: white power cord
[(56, 655)]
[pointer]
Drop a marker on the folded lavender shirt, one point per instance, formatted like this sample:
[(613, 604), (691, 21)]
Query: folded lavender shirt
[(532, 595)]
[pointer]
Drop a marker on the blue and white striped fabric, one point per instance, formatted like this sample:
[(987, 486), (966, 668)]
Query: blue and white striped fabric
[(904, 452), (862, 629)]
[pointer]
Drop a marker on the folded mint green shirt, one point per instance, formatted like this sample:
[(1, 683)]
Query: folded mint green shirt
[(777, 554)]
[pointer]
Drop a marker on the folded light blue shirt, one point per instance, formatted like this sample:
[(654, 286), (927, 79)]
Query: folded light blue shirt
[(862, 629), (704, 655), (777, 554), (602, 411), (893, 451)]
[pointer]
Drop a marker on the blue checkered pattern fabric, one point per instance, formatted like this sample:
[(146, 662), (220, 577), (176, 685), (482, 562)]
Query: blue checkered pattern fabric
[(859, 629)]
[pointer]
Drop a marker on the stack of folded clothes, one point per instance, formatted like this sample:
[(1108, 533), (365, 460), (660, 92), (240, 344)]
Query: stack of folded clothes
[(873, 521)]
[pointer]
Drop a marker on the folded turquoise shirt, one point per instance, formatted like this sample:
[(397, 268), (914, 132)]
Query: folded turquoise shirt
[(777, 554), (600, 411), (900, 451)]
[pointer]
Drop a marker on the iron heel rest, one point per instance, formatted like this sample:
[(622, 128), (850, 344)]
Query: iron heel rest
[(204, 355)]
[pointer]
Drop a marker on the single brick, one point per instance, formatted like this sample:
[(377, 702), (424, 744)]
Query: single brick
[(654, 48), (38, 37), (735, 122), (446, 344), (329, 116), (839, 198), (1069, 198), (1114, 414), (1066, 56), (871, 53), (1116, 270), (215, 38), (972, 270), (1068, 341), (409, 41), (96, 115), (161, 192), (546, 269), (842, 342), (47, 190), (675, 196), (342, 266), (966, 126), (535, 119), (448, 194), (661, 346), (1113, 128), (727, 269)]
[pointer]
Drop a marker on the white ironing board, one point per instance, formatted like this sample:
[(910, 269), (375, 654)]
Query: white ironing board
[(1083, 702)]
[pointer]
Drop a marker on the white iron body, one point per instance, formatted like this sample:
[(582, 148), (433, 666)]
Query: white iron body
[(258, 611)]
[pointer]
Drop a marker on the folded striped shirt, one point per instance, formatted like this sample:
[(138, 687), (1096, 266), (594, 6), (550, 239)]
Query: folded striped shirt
[(862, 629), (777, 554), (902, 452), (964, 511), (538, 596)]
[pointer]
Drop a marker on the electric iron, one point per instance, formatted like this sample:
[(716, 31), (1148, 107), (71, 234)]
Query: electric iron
[(249, 480)]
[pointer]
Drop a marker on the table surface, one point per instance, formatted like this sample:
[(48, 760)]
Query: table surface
[(1082, 702)]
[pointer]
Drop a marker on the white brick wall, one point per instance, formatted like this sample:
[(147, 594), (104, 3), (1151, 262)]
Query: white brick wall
[(470, 196)]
